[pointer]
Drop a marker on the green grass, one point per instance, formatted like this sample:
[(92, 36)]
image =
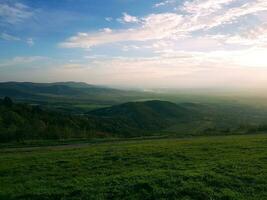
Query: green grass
[(223, 167)]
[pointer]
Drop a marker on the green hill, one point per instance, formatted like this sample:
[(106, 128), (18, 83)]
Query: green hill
[(148, 115), (25, 122), (19, 122)]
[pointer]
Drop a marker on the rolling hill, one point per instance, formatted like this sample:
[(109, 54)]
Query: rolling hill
[(149, 115), (20, 121), (26, 122)]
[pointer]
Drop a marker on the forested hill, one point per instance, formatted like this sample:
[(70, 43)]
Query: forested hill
[(153, 108), (25, 122), (147, 115), (20, 122)]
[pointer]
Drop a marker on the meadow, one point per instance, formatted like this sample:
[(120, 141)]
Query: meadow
[(215, 167)]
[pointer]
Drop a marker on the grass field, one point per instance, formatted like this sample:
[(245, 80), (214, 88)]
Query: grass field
[(223, 167)]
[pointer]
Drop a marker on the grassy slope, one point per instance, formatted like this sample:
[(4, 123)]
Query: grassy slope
[(226, 167)]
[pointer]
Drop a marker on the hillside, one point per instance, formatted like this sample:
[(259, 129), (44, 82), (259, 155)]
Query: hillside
[(148, 115), (25, 122), (19, 122)]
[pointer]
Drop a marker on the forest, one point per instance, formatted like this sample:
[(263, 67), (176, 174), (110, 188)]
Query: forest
[(21, 121)]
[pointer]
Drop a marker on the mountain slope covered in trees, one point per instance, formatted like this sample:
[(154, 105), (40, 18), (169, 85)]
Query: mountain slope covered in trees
[(148, 115), (25, 122), (19, 122)]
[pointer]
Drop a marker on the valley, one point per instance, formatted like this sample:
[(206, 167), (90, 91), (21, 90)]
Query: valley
[(155, 146)]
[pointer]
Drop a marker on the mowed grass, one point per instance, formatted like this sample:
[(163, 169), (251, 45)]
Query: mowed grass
[(225, 167)]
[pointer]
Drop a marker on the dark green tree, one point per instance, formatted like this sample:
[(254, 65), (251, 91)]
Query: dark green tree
[(7, 102)]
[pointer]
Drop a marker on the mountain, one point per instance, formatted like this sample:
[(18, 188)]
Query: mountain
[(149, 115), (22, 89), (19, 122), (76, 84), (67, 95), (25, 122)]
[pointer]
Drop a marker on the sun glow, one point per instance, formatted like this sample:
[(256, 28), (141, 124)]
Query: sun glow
[(254, 58)]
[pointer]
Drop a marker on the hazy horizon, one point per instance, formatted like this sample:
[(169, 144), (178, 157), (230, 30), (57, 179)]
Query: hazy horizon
[(173, 44)]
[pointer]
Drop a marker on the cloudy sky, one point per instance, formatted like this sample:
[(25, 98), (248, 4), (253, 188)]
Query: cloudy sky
[(135, 43)]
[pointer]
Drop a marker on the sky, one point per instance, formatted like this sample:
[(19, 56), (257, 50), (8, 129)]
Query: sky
[(135, 43)]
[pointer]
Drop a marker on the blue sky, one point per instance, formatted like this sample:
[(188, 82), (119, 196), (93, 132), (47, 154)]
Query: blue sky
[(135, 43)]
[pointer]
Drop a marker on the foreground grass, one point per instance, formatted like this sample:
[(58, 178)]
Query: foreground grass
[(226, 167)]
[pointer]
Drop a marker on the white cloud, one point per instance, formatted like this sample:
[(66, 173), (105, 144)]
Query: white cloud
[(30, 42), (237, 12), (14, 13), (204, 7), (109, 19), (241, 68), (155, 26), (21, 60), (200, 15), (164, 3), (185, 47), (9, 37), (107, 30), (126, 18), (255, 36), (130, 47), (207, 14)]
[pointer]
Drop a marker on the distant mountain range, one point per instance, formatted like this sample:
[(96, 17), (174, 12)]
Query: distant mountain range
[(25, 89), (67, 92)]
